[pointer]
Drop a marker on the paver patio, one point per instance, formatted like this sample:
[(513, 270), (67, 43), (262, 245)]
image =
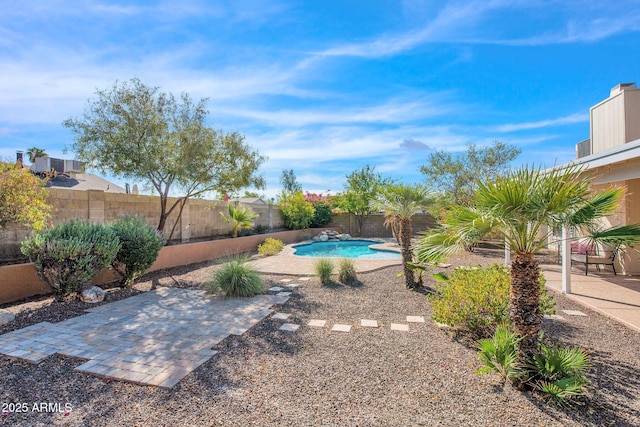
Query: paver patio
[(154, 338)]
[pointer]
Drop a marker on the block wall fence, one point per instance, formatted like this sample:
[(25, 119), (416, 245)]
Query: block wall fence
[(201, 219)]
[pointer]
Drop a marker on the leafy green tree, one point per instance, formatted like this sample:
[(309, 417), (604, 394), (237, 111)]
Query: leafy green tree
[(296, 211), (34, 152), (456, 175), (240, 216), (23, 198), (520, 206), (137, 132), (400, 202), (361, 189), (289, 182)]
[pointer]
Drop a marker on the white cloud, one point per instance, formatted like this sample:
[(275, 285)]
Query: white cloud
[(567, 120)]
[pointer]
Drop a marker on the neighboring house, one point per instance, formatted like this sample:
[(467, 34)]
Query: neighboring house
[(249, 200), (612, 157), (84, 181)]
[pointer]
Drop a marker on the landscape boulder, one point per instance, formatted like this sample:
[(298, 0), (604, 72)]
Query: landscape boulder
[(92, 295)]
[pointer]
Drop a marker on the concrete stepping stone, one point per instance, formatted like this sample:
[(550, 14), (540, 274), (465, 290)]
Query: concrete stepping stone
[(304, 279), (399, 327), (341, 328), (275, 289), (289, 327), (293, 286), (444, 265), (285, 280), (368, 323), (573, 313), (281, 316), (415, 319), (317, 323), (553, 317), (283, 294)]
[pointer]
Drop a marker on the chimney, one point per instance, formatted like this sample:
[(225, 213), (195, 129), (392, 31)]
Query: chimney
[(621, 88), (19, 158)]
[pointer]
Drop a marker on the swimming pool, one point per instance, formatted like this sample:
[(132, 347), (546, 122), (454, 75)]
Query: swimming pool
[(344, 249)]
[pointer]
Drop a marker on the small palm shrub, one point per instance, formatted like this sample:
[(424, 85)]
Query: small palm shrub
[(324, 270), (236, 279), (477, 299), (347, 271), (140, 245), (270, 246), (499, 354), (69, 255), (240, 217), (558, 372)]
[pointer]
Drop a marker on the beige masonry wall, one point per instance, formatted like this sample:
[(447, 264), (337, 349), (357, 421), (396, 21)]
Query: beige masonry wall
[(21, 281), (200, 220), (374, 224)]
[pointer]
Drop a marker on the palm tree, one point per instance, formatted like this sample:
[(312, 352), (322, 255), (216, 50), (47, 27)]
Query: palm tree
[(518, 206), (400, 202), (240, 216), (34, 152)]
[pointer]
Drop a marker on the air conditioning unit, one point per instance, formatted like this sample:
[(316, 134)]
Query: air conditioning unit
[(46, 164)]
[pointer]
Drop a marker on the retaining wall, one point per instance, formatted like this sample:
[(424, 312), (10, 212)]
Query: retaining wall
[(21, 281)]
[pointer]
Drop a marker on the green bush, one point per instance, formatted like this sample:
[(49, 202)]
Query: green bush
[(296, 212), (270, 246), (321, 215), (324, 269), (477, 299), (558, 372), (140, 246), (498, 354), (236, 279), (69, 255), (347, 271)]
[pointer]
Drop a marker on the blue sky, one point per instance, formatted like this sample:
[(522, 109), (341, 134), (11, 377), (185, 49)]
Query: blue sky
[(325, 87)]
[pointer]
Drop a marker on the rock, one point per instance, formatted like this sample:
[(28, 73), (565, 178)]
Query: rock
[(6, 317), (323, 237), (344, 236), (315, 238), (92, 295)]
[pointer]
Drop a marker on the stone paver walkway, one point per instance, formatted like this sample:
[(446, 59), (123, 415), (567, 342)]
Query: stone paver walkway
[(154, 338)]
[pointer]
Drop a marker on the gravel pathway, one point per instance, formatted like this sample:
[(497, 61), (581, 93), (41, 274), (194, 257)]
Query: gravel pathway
[(316, 377)]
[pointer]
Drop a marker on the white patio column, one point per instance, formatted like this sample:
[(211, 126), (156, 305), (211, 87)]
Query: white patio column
[(507, 253), (566, 261)]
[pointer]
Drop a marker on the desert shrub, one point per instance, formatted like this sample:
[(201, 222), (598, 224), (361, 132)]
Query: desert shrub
[(260, 229), (296, 212), (322, 214), (498, 354), (559, 373), (347, 271), (270, 246), (66, 257), (477, 299), (236, 279), (140, 245), (324, 269)]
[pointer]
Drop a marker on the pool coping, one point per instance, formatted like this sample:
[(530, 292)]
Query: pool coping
[(288, 263)]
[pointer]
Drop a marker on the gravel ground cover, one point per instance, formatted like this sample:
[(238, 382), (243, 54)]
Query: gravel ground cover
[(315, 377)]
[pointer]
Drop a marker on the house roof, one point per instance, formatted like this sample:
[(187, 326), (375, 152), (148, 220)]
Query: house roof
[(249, 200), (621, 163), (84, 181)]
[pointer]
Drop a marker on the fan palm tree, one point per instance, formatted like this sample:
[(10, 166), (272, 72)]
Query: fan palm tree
[(34, 152), (518, 206), (400, 202), (240, 216)]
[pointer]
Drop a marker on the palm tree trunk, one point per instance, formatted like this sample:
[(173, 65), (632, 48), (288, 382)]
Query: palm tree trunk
[(525, 302), (407, 253)]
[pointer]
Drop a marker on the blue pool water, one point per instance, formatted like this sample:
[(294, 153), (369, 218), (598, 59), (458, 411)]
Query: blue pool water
[(344, 249)]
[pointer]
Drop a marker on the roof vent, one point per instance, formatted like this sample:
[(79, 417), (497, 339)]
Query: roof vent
[(622, 87)]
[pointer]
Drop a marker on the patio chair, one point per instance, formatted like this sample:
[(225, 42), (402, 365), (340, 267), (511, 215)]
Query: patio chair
[(591, 257)]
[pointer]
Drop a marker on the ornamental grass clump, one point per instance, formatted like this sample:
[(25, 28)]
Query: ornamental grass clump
[(236, 278), (69, 255), (270, 246), (347, 271), (140, 246), (324, 269)]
